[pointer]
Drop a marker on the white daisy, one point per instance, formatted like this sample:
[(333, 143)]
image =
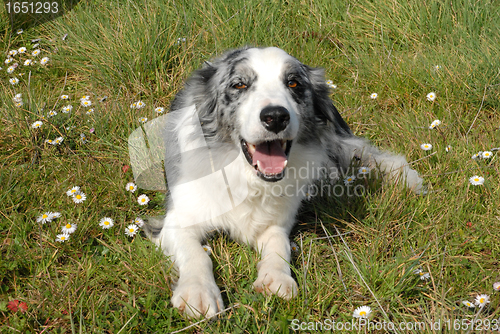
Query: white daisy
[(44, 60), (90, 111), (417, 271), (373, 96), (476, 180), (486, 154), (362, 312), (45, 218), (131, 230), (68, 228), (48, 141), (426, 147), (349, 179), (207, 249), (437, 67), (58, 141), (482, 300), (143, 200), (133, 105), (8, 61), (364, 170), (434, 124), (19, 31), (19, 104), (424, 276), (478, 155), (160, 110), (21, 49), (52, 113), (431, 96), (62, 237), (64, 97), (448, 148), (67, 109), (12, 53), (131, 187), (55, 215), (10, 69), (34, 46), (139, 222), (85, 97), (496, 286), (139, 104), (17, 98), (468, 304), (143, 120), (330, 84), (35, 52), (28, 62), (86, 103), (106, 223), (294, 247), (79, 197), (37, 124), (73, 191)]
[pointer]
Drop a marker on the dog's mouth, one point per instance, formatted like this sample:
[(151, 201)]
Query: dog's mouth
[(269, 158)]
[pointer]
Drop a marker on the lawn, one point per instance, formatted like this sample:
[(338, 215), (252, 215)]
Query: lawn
[(413, 259)]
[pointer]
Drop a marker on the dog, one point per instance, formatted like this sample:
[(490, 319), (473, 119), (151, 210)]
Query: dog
[(245, 136)]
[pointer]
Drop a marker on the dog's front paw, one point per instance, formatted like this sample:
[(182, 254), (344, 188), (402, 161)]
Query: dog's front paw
[(196, 298), (276, 282)]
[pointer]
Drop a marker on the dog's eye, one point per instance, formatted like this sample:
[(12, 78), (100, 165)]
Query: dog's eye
[(292, 83), (240, 85)]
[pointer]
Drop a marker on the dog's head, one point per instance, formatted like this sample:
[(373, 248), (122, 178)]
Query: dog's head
[(264, 101)]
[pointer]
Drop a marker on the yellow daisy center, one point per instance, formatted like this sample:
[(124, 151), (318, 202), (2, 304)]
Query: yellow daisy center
[(476, 179), (62, 238), (362, 313), (131, 230), (106, 223), (481, 300), (143, 200), (78, 196), (68, 225), (44, 216)]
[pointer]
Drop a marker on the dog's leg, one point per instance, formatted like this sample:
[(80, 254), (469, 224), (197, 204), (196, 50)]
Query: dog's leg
[(392, 165), (195, 293), (274, 269)]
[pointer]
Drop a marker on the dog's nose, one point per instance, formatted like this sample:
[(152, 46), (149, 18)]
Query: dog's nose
[(275, 118)]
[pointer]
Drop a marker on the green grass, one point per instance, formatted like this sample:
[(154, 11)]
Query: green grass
[(102, 281)]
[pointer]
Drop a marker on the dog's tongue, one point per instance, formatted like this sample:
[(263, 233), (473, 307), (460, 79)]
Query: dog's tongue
[(271, 157)]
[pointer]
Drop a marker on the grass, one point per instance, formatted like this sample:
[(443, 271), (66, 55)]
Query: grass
[(102, 281)]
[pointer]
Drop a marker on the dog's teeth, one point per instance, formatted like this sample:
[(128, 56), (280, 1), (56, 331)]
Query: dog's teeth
[(251, 148), (286, 163), (258, 165), (283, 145)]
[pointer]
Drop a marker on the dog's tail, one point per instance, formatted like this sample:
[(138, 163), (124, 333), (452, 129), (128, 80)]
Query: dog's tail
[(153, 226)]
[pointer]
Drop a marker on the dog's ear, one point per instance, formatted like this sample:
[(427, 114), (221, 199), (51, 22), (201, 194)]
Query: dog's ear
[(323, 106)]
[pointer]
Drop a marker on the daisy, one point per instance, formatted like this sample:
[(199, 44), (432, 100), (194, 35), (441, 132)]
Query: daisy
[(45, 218), (349, 179), (431, 96), (143, 200), (67, 108), (17, 98), (79, 197), (434, 124), (62, 237), (73, 191), (44, 60), (426, 147), (448, 148), (468, 304), (14, 81), (364, 170), (85, 97), (496, 286), (437, 67), (28, 62), (477, 155), (362, 312), (207, 249), (37, 124), (58, 141), (90, 111), (330, 84), (35, 52), (294, 247), (22, 50), (8, 61), (10, 69), (55, 215), (131, 230), (19, 104), (482, 300), (424, 276), (139, 104), (476, 180), (52, 113), (48, 141), (34, 46), (486, 155), (12, 53), (133, 105), (69, 228), (83, 138), (86, 103), (143, 120), (131, 187), (19, 31), (64, 97), (160, 110), (106, 223), (373, 96), (139, 222)]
